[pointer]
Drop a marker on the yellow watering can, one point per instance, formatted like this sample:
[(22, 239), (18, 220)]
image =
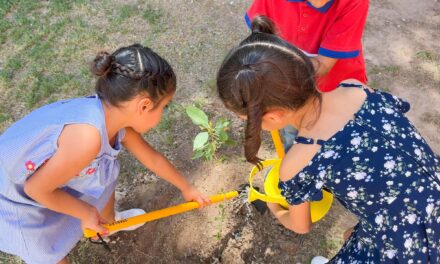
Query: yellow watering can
[(272, 194), (318, 209)]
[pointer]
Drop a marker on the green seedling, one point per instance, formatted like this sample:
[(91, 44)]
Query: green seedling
[(211, 137)]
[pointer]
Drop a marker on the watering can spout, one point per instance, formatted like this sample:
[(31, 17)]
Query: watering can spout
[(256, 195)]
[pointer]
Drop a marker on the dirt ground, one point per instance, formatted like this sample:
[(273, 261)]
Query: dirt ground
[(402, 51)]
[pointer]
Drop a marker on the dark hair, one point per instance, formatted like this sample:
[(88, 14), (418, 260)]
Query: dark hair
[(130, 71), (264, 72)]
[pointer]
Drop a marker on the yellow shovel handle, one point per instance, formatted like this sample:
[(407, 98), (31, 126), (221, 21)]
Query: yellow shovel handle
[(279, 148), (154, 215)]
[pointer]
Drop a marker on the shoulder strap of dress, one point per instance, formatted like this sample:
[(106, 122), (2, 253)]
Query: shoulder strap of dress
[(309, 141), (349, 85)]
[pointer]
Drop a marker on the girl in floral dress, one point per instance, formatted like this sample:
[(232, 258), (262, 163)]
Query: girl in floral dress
[(58, 166), (354, 141)]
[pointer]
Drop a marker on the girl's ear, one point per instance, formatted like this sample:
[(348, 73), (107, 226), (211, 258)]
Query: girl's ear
[(276, 116), (145, 104)]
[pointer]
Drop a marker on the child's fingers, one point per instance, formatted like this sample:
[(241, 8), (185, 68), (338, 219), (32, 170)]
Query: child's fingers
[(206, 200), (200, 201), (102, 220), (203, 201), (100, 229)]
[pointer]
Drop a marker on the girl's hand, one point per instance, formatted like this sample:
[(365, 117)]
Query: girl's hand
[(275, 208), (192, 194), (94, 222)]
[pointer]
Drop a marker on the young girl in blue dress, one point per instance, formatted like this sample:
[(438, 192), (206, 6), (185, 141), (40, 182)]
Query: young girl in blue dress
[(354, 141), (58, 166)]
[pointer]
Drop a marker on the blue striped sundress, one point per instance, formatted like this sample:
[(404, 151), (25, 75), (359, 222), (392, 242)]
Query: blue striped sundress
[(28, 229)]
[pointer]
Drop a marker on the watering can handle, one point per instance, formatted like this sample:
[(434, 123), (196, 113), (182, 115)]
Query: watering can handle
[(256, 195), (279, 148)]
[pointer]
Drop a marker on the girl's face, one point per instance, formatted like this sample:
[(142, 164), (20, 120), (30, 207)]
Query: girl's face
[(149, 115)]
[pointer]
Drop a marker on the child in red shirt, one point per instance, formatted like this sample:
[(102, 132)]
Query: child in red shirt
[(330, 31)]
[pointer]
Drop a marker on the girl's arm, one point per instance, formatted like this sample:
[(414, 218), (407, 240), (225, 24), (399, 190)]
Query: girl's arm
[(78, 145), (323, 64), (297, 217), (158, 164)]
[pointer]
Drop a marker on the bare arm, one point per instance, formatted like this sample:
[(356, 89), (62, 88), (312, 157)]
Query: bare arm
[(323, 64), (78, 145), (297, 217), (153, 160), (160, 165)]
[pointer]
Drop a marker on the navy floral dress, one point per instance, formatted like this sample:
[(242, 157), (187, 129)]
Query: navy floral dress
[(381, 169)]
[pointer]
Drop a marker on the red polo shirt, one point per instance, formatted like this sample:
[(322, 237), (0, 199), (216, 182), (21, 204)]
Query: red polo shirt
[(333, 30)]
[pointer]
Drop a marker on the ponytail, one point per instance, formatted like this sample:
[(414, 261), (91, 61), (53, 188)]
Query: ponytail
[(262, 24), (131, 71), (252, 97)]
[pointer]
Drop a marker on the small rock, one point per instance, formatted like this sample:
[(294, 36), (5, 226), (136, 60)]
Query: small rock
[(268, 252), (236, 235), (119, 195)]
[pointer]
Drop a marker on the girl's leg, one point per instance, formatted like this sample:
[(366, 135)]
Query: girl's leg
[(63, 261), (347, 233), (109, 210)]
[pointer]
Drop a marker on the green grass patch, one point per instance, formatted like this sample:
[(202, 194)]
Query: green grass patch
[(21, 7), (165, 124), (5, 5), (5, 25), (12, 64), (61, 6), (47, 46), (210, 86), (44, 86), (35, 69), (373, 83), (387, 69), (153, 15), (3, 117), (393, 69), (165, 128), (426, 55), (125, 12)]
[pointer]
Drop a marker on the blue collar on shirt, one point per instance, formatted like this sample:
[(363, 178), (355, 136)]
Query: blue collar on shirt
[(321, 9)]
